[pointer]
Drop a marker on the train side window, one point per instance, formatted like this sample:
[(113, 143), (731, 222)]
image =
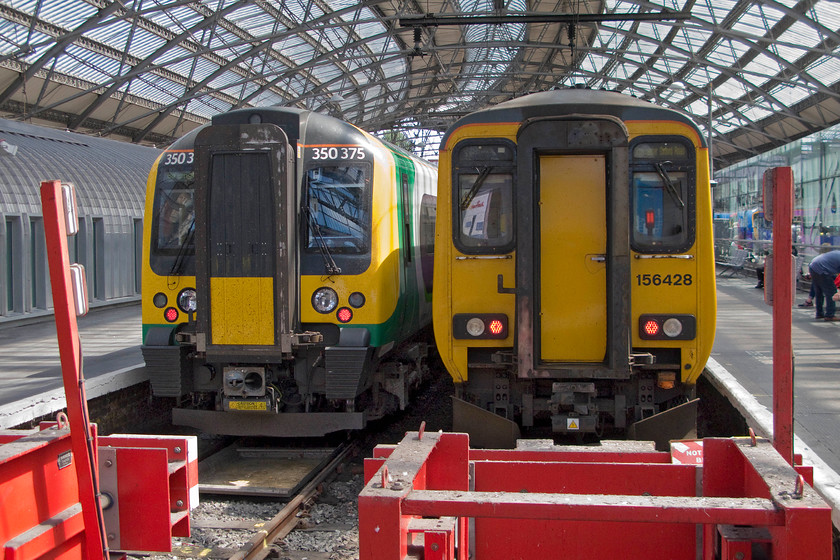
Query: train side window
[(663, 194), (483, 191)]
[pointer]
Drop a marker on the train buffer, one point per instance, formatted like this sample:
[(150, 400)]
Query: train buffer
[(735, 263), (432, 496)]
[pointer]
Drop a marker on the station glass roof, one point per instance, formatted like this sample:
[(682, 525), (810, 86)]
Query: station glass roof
[(758, 73)]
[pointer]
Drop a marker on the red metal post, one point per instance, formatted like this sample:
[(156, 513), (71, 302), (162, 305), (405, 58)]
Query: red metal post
[(83, 444), (782, 186)]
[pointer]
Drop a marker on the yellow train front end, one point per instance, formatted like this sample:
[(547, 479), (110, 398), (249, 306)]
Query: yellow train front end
[(283, 291), (574, 283)]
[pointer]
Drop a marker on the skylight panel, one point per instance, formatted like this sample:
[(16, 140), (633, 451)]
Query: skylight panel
[(731, 88), (256, 22), (370, 29), (800, 35), (827, 14), (395, 67), (177, 18), (722, 56), (621, 7), (154, 88), (68, 13), (208, 106), (788, 3), (247, 15), (755, 114), (111, 34), (594, 62), (143, 44), (88, 66), (302, 10), (694, 37), (762, 65), (787, 95), (826, 70), (752, 23), (173, 54)]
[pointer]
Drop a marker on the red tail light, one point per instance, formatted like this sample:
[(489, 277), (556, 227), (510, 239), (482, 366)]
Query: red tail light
[(344, 315), (475, 326), (171, 314), (651, 328)]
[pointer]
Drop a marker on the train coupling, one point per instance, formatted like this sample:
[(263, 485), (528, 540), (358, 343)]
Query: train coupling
[(573, 408)]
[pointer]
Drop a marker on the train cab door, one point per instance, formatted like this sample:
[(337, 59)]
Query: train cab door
[(244, 229), (573, 249)]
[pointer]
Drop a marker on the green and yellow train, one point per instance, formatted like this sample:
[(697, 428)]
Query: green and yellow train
[(287, 273), (574, 286)]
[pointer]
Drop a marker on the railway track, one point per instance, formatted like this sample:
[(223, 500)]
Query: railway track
[(233, 530)]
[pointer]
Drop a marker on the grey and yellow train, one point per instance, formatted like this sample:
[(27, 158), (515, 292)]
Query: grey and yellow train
[(574, 282), (287, 274)]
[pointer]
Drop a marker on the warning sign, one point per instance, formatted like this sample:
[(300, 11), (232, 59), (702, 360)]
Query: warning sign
[(689, 452), (572, 424)]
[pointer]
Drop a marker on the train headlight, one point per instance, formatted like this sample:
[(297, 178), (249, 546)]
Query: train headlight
[(475, 327), (480, 326), (187, 300), (672, 327), (324, 300), (667, 327), (160, 300)]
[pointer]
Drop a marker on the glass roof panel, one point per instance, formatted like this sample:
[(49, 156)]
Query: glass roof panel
[(360, 50), (69, 14), (826, 14)]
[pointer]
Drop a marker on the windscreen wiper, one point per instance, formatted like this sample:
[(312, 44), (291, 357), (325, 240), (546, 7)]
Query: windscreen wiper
[(329, 262), (482, 176), (181, 257), (672, 190)]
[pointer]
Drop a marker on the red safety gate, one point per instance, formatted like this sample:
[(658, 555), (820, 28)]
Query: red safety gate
[(67, 493), (433, 497), (147, 485)]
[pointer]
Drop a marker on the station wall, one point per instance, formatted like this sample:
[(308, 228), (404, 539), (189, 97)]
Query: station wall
[(110, 180)]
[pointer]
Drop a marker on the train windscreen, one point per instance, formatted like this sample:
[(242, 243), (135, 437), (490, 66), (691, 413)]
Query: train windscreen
[(338, 204), (662, 182), (172, 247)]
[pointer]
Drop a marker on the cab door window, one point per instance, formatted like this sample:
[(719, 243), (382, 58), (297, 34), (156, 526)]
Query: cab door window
[(483, 179)]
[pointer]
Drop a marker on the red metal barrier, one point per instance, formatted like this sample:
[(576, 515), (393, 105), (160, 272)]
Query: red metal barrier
[(619, 500), (66, 493), (145, 485)]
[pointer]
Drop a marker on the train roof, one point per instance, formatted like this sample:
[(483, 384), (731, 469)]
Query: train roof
[(570, 101), (296, 123)]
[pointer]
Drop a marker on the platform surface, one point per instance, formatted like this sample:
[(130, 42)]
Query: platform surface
[(30, 371), (744, 347)]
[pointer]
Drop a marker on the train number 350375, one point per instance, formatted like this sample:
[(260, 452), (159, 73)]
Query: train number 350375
[(338, 152), (663, 280)]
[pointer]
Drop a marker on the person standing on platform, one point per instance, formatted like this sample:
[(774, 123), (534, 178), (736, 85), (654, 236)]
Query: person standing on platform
[(824, 269)]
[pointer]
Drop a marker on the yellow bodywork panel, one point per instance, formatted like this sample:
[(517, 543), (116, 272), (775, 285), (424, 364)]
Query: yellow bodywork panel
[(242, 311), (573, 244)]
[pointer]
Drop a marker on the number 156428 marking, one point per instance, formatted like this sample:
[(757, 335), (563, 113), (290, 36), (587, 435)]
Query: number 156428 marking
[(663, 280)]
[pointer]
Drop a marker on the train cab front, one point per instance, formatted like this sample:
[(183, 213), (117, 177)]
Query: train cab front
[(583, 237), (233, 350)]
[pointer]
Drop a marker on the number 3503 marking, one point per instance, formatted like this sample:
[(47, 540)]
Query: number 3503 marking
[(179, 158), (666, 280), (333, 152)]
